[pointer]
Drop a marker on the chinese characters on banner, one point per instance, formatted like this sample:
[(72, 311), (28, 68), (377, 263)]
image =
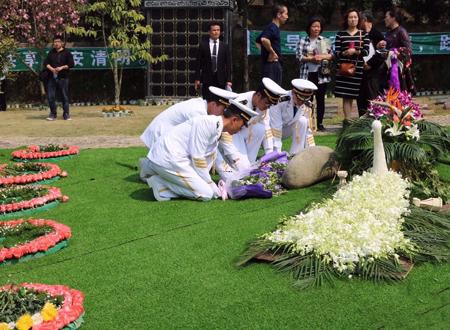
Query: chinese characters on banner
[(84, 59)]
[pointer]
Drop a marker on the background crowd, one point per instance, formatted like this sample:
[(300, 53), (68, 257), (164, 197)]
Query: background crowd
[(361, 55)]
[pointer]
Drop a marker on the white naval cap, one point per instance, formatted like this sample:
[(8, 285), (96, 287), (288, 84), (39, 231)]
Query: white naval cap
[(221, 95), (272, 90), (242, 110), (303, 88)]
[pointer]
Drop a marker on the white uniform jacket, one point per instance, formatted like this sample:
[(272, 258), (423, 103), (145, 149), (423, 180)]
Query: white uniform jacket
[(288, 120), (171, 117), (190, 145)]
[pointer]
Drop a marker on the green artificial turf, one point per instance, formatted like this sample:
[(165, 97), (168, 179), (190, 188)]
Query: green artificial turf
[(149, 265)]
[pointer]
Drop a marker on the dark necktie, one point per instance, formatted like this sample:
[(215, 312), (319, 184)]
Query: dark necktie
[(295, 111), (214, 57)]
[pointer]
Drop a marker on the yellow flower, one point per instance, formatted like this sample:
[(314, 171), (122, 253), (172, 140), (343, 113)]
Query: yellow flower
[(24, 322), (49, 312), (4, 326)]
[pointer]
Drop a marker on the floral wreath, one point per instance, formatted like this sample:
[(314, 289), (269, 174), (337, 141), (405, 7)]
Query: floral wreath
[(68, 314), (373, 234), (45, 151), (55, 239), (22, 198), (368, 228), (24, 173)]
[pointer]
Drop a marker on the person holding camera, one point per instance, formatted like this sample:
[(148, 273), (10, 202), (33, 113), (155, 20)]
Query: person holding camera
[(314, 55)]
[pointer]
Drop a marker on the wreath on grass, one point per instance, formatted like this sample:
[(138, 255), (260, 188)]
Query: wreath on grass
[(49, 151), (24, 173), (40, 307), (368, 229), (22, 198), (21, 240)]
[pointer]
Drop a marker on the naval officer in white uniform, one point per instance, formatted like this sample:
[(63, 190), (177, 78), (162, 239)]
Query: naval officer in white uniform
[(182, 158), (291, 118), (181, 112), (258, 133)]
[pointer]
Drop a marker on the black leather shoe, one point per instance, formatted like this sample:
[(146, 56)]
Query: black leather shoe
[(321, 128)]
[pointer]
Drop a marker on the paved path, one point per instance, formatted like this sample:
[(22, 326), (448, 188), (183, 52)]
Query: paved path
[(82, 142), (106, 141), (441, 120)]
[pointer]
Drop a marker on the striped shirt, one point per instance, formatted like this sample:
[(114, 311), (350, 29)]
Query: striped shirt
[(348, 87)]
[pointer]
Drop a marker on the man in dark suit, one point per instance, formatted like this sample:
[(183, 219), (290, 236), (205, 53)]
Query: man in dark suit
[(213, 64)]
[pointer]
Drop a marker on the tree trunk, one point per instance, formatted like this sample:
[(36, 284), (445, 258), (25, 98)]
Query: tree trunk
[(42, 88), (116, 83), (245, 27)]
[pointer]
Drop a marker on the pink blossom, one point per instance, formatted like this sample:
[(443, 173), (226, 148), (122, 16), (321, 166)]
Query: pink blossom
[(24, 16)]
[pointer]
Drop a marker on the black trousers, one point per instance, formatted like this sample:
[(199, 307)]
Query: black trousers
[(273, 70), (54, 86), (213, 82), (3, 95), (370, 86), (319, 95)]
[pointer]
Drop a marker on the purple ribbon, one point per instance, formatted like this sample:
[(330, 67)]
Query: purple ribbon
[(394, 81), (250, 191), (275, 156)]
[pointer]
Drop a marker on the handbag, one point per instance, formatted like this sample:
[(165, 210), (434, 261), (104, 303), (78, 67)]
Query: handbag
[(348, 69)]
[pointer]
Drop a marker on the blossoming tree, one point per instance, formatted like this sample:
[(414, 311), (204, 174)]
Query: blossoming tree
[(119, 25), (35, 22), (7, 44)]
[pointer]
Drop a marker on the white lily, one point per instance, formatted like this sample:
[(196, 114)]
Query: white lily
[(413, 132), (394, 130)]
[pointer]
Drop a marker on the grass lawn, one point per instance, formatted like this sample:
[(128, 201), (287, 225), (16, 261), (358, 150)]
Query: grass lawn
[(148, 265)]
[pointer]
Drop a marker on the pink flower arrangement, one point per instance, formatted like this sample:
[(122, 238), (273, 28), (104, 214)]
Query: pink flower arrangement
[(400, 100), (33, 152), (33, 177), (397, 113), (60, 233), (71, 310), (52, 195)]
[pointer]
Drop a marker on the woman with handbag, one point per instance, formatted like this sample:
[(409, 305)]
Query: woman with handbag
[(351, 45), (315, 58)]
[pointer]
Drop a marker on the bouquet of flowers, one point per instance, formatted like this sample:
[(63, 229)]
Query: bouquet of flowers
[(398, 113), (412, 145), (263, 181)]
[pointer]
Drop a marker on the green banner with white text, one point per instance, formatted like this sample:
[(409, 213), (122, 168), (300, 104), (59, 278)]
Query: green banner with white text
[(94, 58), (422, 43)]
